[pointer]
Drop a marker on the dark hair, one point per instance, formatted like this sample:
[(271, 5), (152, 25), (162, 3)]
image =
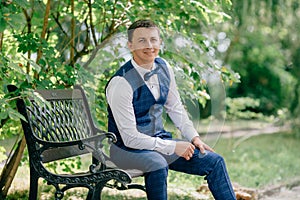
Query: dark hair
[(143, 23)]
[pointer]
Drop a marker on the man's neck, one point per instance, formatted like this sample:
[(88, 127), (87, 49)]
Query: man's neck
[(147, 66)]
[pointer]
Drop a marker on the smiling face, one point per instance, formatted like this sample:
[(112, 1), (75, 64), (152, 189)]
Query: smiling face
[(144, 46)]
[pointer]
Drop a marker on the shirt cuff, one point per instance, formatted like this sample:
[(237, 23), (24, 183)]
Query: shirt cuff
[(190, 133), (166, 147)]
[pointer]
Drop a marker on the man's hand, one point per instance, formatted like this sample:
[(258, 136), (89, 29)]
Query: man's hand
[(184, 149), (201, 145)]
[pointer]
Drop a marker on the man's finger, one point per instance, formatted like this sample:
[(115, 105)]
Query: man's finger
[(202, 149), (209, 148)]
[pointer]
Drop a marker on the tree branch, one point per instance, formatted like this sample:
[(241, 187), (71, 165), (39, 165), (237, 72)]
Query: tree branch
[(92, 27), (84, 50), (1, 40), (45, 26), (72, 41), (94, 53), (56, 19), (28, 21), (112, 29)]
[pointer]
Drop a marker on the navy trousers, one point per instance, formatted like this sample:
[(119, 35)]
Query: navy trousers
[(155, 167)]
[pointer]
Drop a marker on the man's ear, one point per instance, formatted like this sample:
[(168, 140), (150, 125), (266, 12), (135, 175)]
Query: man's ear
[(129, 44)]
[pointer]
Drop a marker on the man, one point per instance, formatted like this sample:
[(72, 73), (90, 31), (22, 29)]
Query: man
[(137, 95)]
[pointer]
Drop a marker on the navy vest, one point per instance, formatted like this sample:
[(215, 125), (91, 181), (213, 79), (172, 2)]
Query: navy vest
[(148, 111)]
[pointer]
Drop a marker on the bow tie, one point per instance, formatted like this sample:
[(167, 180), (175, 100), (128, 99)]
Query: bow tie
[(149, 74)]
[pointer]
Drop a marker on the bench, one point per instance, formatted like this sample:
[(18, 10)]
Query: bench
[(62, 128)]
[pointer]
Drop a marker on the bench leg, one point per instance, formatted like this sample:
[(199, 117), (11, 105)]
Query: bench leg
[(33, 185), (90, 195), (96, 194)]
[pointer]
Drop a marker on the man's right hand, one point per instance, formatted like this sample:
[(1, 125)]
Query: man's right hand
[(184, 149)]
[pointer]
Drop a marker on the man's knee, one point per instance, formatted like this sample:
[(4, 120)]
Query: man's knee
[(219, 158), (217, 165), (215, 158), (210, 162)]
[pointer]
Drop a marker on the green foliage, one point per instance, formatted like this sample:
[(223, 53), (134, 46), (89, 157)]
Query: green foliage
[(261, 66), (95, 24), (296, 112), (18, 195), (194, 75), (263, 52), (2, 154), (242, 108), (70, 165)]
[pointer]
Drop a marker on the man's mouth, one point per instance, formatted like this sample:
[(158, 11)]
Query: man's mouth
[(150, 51)]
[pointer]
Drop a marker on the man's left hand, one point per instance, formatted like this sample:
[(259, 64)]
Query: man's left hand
[(201, 145)]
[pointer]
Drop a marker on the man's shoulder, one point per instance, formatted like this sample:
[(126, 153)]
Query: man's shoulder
[(160, 60), (118, 83), (124, 68)]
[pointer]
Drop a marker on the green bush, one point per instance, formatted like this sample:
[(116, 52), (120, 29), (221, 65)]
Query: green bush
[(243, 108)]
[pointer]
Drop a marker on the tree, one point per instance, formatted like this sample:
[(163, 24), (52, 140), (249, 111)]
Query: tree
[(263, 52), (52, 45)]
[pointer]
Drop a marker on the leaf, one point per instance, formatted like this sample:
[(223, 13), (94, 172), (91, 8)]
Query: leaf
[(2, 154), (36, 97), (3, 114), (15, 115), (15, 21), (15, 67), (33, 64), (28, 78), (22, 3), (3, 24)]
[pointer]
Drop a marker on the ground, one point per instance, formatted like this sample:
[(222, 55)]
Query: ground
[(288, 191), (284, 191), (284, 194)]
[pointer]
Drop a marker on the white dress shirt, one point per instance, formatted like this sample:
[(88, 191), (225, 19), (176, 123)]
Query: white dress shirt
[(119, 97)]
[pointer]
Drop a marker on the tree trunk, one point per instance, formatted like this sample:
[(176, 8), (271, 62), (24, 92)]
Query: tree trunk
[(10, 169), (1, 40), (72, 42), (43, 35), (296, 111)]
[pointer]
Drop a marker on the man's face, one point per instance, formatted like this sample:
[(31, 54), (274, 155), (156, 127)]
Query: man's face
[(145, 45)]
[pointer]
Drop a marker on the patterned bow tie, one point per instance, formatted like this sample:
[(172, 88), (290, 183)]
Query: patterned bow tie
[(149, 74)]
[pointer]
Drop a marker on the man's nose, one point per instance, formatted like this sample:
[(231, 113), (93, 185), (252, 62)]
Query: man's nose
[(148, 44)]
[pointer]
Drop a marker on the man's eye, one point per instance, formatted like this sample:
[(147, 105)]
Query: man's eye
[(142, 40)]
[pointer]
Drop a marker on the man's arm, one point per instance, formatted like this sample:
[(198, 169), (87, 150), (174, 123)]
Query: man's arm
[(177, 112), (179, 116), (119, 96)]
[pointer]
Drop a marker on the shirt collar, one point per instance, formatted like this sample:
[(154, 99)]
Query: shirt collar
[(142, 71)]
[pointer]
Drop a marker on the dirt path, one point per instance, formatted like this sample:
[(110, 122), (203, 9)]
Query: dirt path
[(288, 191), (284, 194)]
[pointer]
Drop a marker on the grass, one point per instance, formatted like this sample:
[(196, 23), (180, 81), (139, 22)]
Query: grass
[(262, 160), (256, 162)]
